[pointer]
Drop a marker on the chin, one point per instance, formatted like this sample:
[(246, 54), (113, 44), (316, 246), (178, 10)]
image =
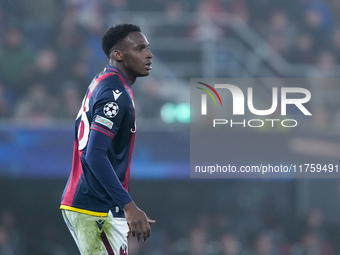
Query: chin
[(144, 74)]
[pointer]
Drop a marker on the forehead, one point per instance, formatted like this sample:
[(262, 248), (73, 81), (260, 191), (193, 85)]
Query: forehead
[(135, 38)]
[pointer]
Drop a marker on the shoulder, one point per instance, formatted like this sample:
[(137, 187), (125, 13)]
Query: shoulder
[(106, 83), (109, 80), (111, 89)]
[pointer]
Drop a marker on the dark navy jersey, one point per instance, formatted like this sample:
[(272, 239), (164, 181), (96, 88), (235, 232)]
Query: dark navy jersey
[(104, 136)]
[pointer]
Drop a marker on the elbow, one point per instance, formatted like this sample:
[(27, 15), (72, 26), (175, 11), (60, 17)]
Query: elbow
[(91, 159)]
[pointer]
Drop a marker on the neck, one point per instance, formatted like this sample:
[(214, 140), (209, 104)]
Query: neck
[(131, 78)]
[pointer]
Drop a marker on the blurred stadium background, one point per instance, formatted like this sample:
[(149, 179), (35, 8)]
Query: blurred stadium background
[(50, 50)]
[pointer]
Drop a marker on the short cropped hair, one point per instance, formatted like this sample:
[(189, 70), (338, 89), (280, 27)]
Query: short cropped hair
[(115, 34)]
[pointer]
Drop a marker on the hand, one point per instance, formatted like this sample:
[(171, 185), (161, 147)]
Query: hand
[(139, 223)]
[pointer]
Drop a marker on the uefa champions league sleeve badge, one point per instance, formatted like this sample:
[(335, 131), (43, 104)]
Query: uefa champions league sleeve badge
[(111, 110)]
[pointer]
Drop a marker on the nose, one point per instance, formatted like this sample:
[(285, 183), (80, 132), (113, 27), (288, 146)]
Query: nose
[(149, 54)]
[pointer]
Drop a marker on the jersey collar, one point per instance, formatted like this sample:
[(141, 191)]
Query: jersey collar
[(115, 69)]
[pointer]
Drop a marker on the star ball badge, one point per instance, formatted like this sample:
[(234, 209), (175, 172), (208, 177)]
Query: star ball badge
[(111, 109)]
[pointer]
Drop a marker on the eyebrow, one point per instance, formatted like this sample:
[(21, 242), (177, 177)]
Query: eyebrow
[(143, 44)]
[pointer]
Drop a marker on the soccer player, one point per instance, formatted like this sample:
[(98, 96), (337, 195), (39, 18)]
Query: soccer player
[(96, 205)]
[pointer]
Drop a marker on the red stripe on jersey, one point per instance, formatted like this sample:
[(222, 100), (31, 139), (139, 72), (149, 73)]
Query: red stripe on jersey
[(77, 171), (102, 130), (127, 174), (127, 87), (106, 243)]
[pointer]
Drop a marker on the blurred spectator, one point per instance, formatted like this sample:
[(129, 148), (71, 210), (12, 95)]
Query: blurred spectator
[(240, 9), (317, 21), (41, 19), (314, 223), (87, 12), (70, 102), (36, 108), (311, 244), (5, 248), (197, 244), (325, 104), (335, 43), (264, 245), (95, 58), (302, 50), (313, 235), (70, 45), (326, 66), (321, 118), (6, 101), (12, 14), (174, 11), (10, 238), (46, 71), (323, 10), (80, 76), (15, 62), (280, 32), (2, 25), (207, 25), (229, 245)]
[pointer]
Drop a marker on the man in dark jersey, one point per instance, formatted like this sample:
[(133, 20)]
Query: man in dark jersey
[(96, 205)]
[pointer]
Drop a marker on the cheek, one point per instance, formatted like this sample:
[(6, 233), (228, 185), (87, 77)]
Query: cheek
[(134, 62)]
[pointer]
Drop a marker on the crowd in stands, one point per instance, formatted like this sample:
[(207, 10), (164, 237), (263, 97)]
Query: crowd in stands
[(50, 50), (252, 231), (229, 235)]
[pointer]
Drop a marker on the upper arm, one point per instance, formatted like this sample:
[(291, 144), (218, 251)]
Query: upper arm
[(108, 112)]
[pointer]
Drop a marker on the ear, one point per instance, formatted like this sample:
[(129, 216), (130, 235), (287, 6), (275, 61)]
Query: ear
[(117, 55)]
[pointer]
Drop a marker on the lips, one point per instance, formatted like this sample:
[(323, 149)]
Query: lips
[(148, 65)]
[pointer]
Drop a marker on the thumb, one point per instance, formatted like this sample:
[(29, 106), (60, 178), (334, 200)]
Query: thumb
[(150, 220)]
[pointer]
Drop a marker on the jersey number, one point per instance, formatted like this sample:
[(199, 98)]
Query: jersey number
[(84, 126)]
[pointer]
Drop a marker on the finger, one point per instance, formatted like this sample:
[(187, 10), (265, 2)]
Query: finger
[(139, 235), (148, 233), (146, 230), (151, 221), (133, 229), (139, 231)]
